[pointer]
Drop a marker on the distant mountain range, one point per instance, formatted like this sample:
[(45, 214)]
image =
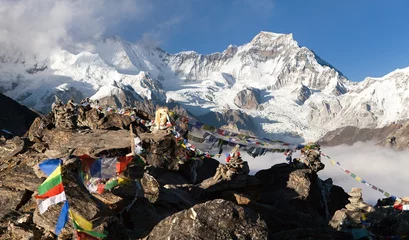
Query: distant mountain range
[(274, 87)]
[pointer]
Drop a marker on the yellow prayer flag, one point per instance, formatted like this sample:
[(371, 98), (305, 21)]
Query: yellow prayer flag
[(55, 173), (81, 221), (358, 179), (332, 162), (124, 181)]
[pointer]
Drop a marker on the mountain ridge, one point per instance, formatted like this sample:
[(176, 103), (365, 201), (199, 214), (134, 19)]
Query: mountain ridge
[(297, 91)]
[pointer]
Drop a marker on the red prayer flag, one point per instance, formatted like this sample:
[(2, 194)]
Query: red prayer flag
[(52, 192), (123, 163)]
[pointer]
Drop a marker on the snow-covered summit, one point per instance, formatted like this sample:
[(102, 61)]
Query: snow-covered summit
[(289, 90)]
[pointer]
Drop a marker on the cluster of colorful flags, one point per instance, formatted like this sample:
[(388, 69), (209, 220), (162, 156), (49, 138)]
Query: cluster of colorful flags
[(51, 192), (97, 170)]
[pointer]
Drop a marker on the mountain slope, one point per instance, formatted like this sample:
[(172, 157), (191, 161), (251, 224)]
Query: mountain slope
[(15, 118), (290, 92)]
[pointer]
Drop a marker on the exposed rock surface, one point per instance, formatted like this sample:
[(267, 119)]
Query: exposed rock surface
[(247, 99), (231, 119), (300, 188), (216, 219), (302, 93), (350, 135), (180, 194)]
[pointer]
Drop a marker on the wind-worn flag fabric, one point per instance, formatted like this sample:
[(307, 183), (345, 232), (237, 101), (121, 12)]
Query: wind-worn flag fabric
[(62, 219), (48, 166), (51, 191), (84, 226)]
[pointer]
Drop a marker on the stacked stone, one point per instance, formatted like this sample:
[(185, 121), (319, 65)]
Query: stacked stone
[(314, 160), (357, 207), (235, 167), (311, 160), (351, 215), (65, 115)]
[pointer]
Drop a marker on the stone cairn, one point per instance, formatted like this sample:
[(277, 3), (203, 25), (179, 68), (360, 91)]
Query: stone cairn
[(235, 167), (65, 115), (354, 212)]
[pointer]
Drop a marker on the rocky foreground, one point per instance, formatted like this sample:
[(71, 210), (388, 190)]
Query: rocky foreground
[(181, 196)]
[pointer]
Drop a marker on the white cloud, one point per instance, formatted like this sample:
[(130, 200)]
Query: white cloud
[(40, 26), (383, 167)]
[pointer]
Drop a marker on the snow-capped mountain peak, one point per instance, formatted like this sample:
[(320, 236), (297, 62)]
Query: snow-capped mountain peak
[(290, 92)]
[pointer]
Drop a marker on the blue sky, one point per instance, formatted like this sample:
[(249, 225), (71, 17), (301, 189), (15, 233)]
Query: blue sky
[(359, 37)]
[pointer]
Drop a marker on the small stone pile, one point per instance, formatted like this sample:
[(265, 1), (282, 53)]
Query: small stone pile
[(64, 114), (311, 160), (235, 167), (353, 213)]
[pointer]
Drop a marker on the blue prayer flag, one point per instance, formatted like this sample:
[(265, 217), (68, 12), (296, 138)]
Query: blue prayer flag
[(48, 166), (62, 219)]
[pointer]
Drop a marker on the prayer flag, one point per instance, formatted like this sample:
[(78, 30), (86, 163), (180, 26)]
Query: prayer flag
[(48, 166), (62, 219)]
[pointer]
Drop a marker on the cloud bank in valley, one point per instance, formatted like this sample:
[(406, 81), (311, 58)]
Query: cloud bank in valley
[(383, 167)]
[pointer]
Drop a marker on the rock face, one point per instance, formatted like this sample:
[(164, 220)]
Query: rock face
[(15, 118), (301, 188), (302, 93), (247, 99), (350, 135), (216, 219), (232, 120)]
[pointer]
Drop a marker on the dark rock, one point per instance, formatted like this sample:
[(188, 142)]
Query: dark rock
[(206, 169), (300, 188), (160, 149), (311, 233), (15, 118), (217, 219), (211, 189)]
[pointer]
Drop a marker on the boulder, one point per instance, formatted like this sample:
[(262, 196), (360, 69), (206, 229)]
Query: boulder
[(114, 121), (216, 219), (150, 187), (160, 149), (300, 188), (93, 142)]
